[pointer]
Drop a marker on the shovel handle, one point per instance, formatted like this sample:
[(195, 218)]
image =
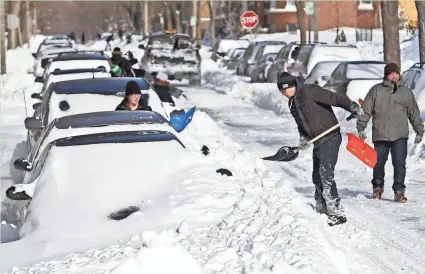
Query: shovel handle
[(331, 129)]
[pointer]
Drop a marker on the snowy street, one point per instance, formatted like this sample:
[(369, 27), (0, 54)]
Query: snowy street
[(109, 174), (378, 232)]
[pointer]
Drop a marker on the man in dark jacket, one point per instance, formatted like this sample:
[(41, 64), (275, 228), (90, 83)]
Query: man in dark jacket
[(133, 98), (391, 105), (311, 107), (162, 88), (120, 61)]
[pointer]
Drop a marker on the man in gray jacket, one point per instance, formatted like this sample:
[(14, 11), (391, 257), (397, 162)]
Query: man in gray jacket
[(391, 105)]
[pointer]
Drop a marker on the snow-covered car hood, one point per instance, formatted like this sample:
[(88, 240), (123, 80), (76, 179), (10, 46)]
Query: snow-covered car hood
[(358, 89)]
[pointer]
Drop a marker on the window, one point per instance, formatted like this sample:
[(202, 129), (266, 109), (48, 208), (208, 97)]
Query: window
[(365, 5), (415, 79), (338, 74), (273, 4)]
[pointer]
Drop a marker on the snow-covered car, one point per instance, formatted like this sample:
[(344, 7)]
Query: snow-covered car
[(222, 47), (258, 75), (85, 95), (414, 79), (320, 71), (358, 89), (346, 72), (70, 74), (311, 54), (79, 60), (174, 54), (112, 174), (253, 53), (48, 42), (46, 55), (254, 69)]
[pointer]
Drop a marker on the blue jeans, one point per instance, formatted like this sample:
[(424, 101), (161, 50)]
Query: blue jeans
[(398, 149)]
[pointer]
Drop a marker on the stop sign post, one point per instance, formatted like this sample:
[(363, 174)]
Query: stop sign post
[(249, 20)]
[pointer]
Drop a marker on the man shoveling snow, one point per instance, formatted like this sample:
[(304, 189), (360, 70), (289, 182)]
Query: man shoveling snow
[(311, 107)]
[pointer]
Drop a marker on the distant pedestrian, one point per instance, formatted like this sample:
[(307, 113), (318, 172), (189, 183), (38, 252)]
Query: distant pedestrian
[(391, 105), (83, 39)]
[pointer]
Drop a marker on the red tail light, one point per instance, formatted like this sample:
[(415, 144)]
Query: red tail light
[(361, 101)]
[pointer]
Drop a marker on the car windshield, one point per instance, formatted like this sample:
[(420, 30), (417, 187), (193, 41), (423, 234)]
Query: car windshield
[(321, 69), (161, 40), (368, 71), (117, 137)]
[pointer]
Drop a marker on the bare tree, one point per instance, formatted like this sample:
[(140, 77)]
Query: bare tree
[(13, 34), (33, 6), (420, 7), (390, 24), (300, 19), (2, 38), (177, 16), (211, 7), (25, 21)]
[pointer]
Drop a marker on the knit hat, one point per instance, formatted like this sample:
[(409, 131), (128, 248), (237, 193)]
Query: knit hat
[(116, 51), (115, 70), (132, 88), (390, 68), (285, 81)]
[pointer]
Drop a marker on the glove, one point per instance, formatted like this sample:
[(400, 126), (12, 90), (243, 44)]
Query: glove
[(418, 139), (356, 110), (304, 143), (362, 135)]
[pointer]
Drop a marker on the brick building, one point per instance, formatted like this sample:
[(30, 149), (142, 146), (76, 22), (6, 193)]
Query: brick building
[(278, 15)]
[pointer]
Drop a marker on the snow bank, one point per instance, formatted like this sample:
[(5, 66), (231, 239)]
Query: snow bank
[(19, 59)]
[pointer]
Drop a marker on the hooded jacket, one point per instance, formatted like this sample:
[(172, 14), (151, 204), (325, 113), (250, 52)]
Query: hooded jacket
[(142, 105)]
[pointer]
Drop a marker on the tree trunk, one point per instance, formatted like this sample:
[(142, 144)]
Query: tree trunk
[(13, 35), (211, 8), (315, 21), (420, 7), (167, 16), (25, 21), (137, 16), (33, 5), (172, 12), (300, 19), (390, 20), (198, 23), (177, 17), (2, 38)]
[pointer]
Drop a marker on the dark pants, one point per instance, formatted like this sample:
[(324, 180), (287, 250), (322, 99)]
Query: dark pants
[(398, 150), (324, 160)]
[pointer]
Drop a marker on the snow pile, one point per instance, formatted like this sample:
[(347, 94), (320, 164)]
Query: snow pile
[(19, 59), (35, 41), (263, 95)]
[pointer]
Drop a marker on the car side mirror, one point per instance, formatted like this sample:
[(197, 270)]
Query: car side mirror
[(141, 46), (34, 55), (326, 78), (36, 106), (15, 195), (33, 123), (22, 164), (36, 96), (39, 79)]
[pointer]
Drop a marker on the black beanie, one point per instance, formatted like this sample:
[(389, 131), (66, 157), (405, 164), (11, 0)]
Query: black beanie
[(132, 88), (285, 81), (390, 68)]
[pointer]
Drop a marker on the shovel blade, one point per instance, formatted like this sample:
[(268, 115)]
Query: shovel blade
[(359, 148), (284, 154)]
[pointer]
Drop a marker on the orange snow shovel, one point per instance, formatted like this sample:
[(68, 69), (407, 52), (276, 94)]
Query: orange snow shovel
[(362, 150)]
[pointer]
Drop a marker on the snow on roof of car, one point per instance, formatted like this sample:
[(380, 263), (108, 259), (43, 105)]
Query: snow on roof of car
[(73, 71), (105, 118), (327, 52), (226, 44), (76, 64), (272, 49), (80, 56), (99, 85), (365, 70)]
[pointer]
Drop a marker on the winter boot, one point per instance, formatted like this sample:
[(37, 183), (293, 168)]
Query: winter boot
[(336, 220), (321, 207), (399, 197), (377, 193)]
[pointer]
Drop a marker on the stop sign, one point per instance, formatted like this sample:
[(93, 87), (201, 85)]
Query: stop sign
[(249, 19)]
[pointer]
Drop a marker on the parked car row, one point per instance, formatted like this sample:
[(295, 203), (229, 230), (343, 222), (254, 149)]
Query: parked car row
[(77, 142)]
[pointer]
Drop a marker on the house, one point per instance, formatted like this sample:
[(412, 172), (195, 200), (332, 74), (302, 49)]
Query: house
[(363, 14)]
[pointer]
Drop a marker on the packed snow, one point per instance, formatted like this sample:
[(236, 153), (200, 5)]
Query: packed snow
[(257, 221)]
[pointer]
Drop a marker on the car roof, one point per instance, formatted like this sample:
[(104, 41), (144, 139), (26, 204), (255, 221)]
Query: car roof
[(106, 118), (331, 46), (365, 62), (98, 85), (270, 42), (73, 71), (80, 56)]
